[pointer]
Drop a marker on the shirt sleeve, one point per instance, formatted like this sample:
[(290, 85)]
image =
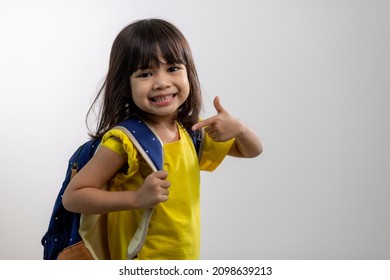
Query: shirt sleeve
[(117, 141), (213, 153), (115, 145)]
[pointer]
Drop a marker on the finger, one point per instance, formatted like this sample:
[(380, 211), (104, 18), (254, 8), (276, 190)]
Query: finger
[(217, 105), (209, 129), (161, 174), (164, 195), (165, 192), (203, 123), (213, 135), (164, 198), (165, 184)]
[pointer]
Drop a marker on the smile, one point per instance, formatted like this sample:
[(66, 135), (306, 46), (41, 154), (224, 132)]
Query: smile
[(163, 100)]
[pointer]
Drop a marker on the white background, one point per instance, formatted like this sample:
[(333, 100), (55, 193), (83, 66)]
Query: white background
[(312, 78)]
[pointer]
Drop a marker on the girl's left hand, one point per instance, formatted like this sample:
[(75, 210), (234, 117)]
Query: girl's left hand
[(222, 126)]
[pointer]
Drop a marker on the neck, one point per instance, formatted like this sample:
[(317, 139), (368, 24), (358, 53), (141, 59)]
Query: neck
[(159, 120), (168, 132), (165, 127)]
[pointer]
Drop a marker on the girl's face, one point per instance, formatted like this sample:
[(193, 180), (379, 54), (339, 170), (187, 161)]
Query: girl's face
[(160, 89)]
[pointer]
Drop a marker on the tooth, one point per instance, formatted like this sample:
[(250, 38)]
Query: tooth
[(164, 98)]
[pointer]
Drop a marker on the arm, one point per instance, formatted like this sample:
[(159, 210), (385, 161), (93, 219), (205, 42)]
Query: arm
[(84, 193), (223, 127)]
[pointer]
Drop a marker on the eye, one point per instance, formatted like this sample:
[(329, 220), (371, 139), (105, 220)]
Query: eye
[(144, 75), (173, 69)]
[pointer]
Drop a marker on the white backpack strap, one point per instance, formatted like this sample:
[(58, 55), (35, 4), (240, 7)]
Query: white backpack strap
[(139, 237)]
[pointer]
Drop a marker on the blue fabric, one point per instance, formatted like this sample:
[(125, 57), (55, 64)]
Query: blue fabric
[(146, 138), (63, 226)]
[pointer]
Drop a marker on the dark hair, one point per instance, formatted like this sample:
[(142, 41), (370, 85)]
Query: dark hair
[(139, 45)]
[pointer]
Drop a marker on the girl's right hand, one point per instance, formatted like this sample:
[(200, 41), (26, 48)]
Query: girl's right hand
[(154, 190)]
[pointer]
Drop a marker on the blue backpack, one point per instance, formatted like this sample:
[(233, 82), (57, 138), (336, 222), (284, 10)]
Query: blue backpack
[(64, 225)]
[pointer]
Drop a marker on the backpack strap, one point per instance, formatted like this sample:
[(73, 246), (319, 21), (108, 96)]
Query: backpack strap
[(197, 137), (150, 147), (145, 140)]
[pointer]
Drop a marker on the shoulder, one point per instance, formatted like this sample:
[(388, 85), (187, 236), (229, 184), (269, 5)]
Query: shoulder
[(117, 140)]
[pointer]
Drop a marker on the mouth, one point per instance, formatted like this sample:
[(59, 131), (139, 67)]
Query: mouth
[(163, 99)]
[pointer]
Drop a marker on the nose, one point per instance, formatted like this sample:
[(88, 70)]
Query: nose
[(161, 81)]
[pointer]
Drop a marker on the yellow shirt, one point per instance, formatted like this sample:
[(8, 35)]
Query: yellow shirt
[(174, 229)]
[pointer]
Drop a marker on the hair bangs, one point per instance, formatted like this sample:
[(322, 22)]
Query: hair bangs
[(172, 51), (159, 44)]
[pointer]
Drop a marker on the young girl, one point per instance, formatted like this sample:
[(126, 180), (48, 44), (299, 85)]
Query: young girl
[(152, 75)]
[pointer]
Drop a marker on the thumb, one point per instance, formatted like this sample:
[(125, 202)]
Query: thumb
[(217, 105)]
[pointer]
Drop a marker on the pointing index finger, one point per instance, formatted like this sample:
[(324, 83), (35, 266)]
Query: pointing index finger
[(203, 123)]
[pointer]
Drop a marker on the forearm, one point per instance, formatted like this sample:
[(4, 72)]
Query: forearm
[(98, 201), (247, 144)]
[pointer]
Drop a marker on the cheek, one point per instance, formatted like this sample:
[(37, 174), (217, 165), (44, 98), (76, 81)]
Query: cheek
[(185, 85), (137, 89), (137, 98), (136, 94)]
